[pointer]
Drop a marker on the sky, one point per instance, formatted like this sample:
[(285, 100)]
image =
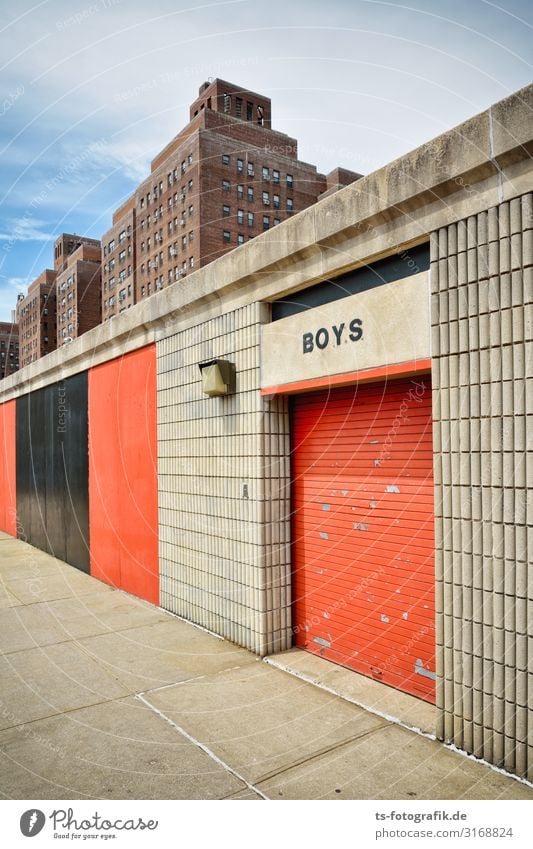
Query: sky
[(91, 90)]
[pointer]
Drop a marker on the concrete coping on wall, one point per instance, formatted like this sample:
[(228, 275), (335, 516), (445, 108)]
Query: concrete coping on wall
[(439, 171)]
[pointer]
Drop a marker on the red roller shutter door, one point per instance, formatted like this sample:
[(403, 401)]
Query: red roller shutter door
[(363, 533)]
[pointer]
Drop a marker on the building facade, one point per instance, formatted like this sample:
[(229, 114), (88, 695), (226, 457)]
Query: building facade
[(224, 179), (78, 292), (119, 262), (66, 244), (36, 318), (9, 348), (338, 459)]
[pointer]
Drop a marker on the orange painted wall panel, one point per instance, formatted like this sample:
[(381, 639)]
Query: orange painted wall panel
[(123, 473), (363, 530), (8, 469)]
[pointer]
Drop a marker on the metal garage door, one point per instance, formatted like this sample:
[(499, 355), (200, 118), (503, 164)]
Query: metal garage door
[(363, 538)]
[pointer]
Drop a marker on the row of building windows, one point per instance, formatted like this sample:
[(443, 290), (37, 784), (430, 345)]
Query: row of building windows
[(172, 177), (147, 220), (226, 209), (226, 234), (266, 174)]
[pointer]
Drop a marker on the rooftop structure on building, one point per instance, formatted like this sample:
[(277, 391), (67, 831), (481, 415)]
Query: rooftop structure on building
[(224, 179), (78, 287)]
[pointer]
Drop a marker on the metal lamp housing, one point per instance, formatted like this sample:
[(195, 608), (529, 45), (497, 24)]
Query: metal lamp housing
[(218, 377)]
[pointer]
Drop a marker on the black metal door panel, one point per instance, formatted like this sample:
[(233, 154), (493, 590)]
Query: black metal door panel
[(52, 470)]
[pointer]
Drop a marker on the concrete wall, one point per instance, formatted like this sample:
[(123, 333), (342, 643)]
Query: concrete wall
[(224, 487), (481, 276)]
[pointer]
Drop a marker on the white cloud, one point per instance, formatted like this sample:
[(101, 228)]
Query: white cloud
[(26, 229)]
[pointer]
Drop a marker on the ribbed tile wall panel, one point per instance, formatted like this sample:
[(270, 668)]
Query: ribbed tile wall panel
[(481, 275), (224, 487)]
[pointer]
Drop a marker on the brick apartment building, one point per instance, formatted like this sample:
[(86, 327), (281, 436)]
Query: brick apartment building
[(9, 348), (118, 262), (36, 318), (225, 178), (78, 287), (66, 244)]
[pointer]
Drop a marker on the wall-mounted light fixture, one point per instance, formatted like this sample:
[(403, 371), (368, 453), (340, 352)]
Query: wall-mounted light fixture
[(218, 377)]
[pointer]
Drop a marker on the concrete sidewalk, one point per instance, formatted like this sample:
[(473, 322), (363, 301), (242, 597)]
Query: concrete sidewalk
[(106, 696)]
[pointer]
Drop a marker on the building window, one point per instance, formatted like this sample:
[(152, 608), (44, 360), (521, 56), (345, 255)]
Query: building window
[(226, 211), (189, 184), (251, 170), (266, 222), (240, 192), (184, 241), (240, 166), (227, 102), (191, 262), (191, 236), (266, 199), (265, 173), (122, 256), (250, 194), (189, 159), (277, 221), (225, 159), (122, 235), (290, 205), (111, 246), (191, 209), (183, 167), (275, 176), (238, 107), (276, 201), (250, 219), (226, 236), (290, 181), (225, 185), (249, 111), (240, 239), (142, 203), (240, 216), (143, 290)]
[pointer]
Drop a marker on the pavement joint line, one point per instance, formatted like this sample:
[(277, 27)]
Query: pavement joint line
[(173, 684), (203, 748), (320, 753), (63, 713), (79, 639), (392, 719), (395, 721)]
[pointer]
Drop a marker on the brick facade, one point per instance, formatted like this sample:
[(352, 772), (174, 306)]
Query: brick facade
[(9, 348), (119, 262), (78, 293), (36, 317)]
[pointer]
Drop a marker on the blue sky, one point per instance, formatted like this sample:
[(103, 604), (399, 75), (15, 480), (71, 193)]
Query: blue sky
[(90, 91)]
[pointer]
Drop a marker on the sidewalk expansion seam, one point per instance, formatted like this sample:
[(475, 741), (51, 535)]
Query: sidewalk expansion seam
[(202, 746)]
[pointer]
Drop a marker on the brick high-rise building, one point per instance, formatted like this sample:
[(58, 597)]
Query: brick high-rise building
[(118, 262), (78, 288), (225, 178), (66, 244), (9, 348), (36, 318)]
